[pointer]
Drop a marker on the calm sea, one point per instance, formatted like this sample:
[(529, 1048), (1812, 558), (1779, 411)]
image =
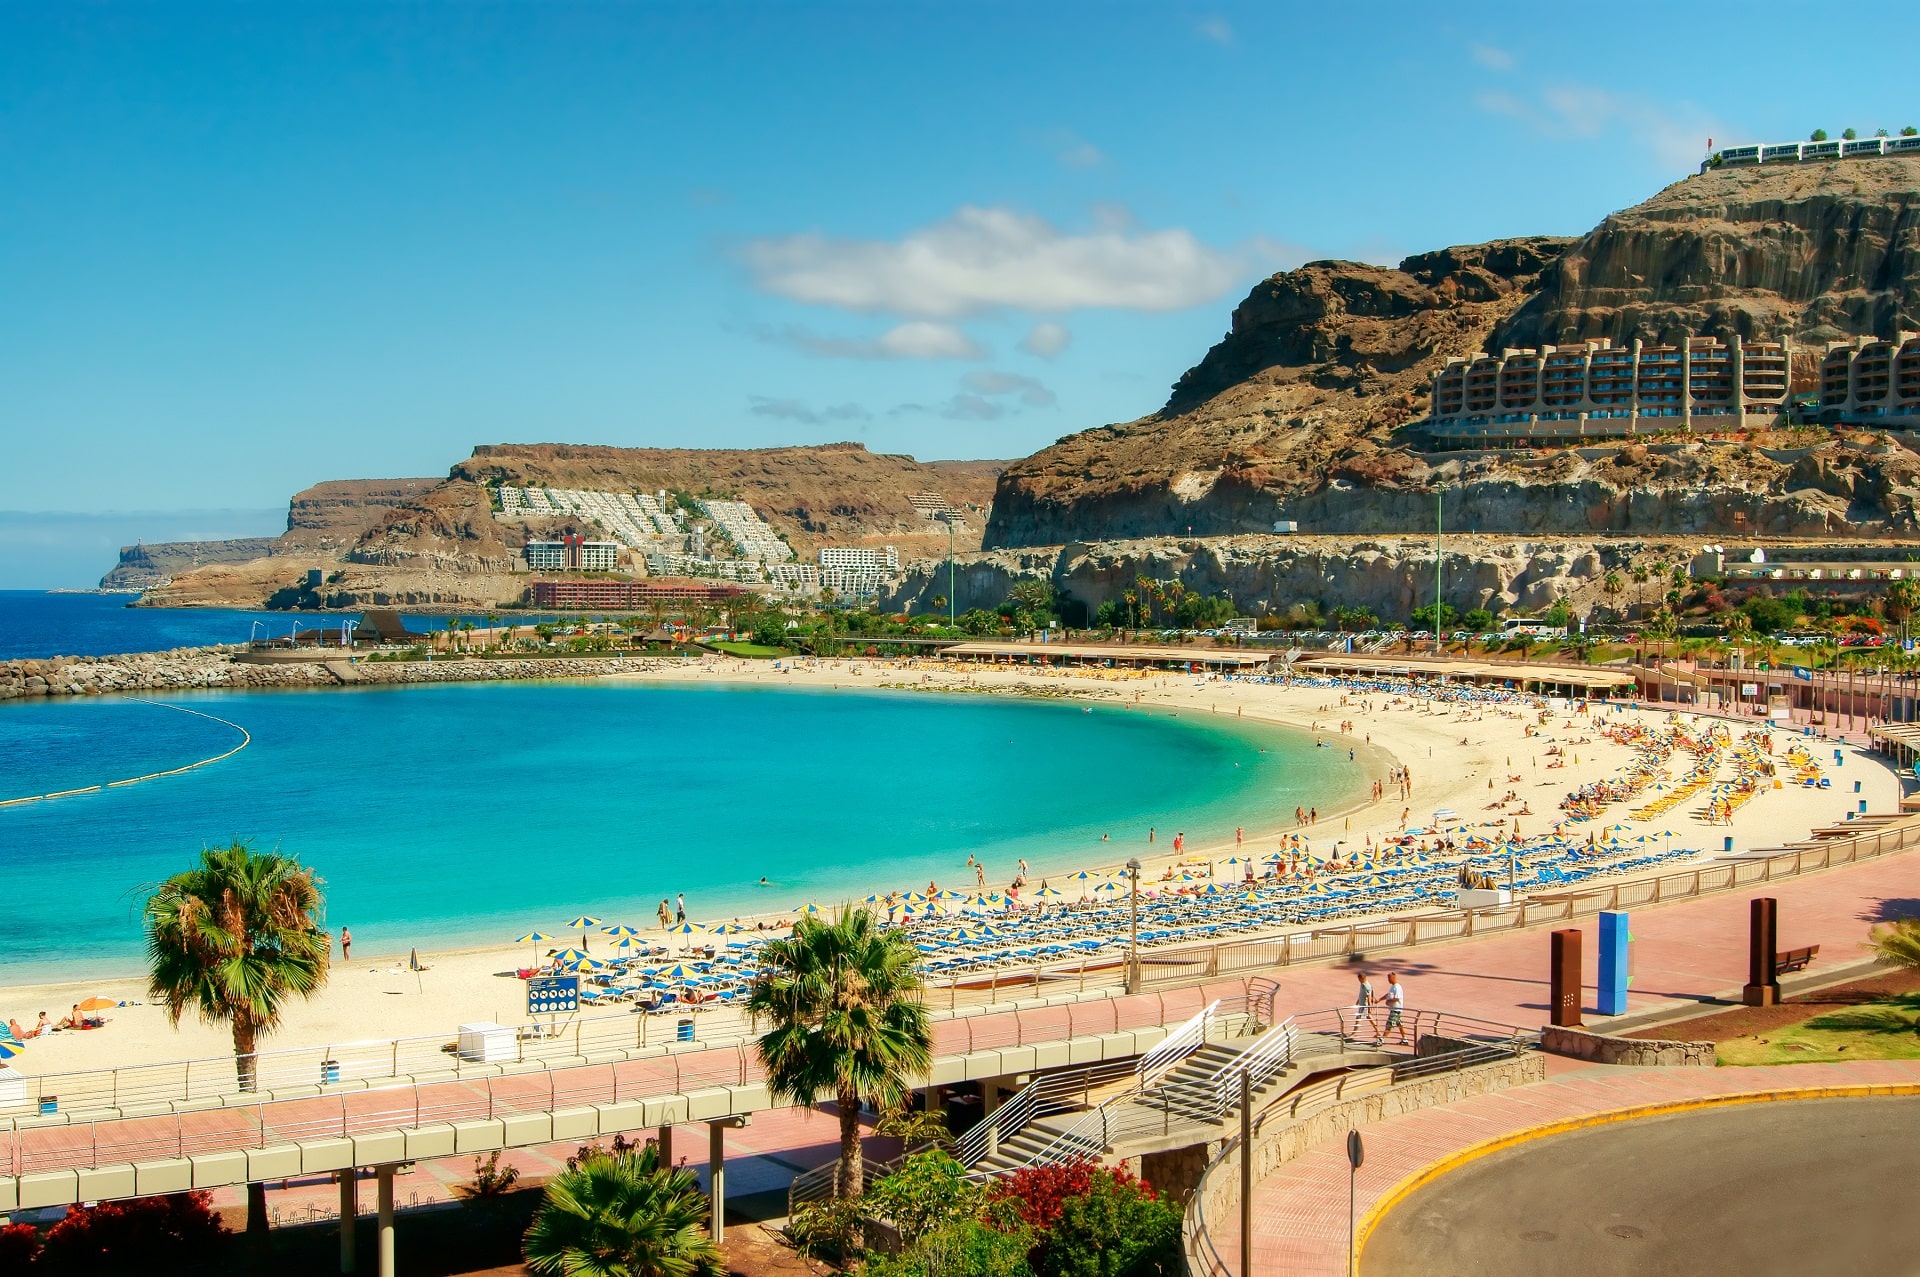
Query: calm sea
[(471, 814), (35, 624)]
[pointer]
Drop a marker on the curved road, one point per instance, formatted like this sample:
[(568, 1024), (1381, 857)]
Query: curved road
[(1792, 1187)]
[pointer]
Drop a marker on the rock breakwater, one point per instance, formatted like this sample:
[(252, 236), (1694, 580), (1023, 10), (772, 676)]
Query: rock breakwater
[(186, 669)]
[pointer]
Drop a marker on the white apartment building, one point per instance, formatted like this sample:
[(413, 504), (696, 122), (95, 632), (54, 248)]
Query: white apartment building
[(573, 554), (883, 561), (1596, 390)]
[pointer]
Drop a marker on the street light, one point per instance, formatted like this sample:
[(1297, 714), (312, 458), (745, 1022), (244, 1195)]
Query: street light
[(1133, 927)]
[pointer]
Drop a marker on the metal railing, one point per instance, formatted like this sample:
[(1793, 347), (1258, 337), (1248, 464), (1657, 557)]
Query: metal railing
[(1154, 1107), (67, 1141), (1046, 1095), (1487, 1042)]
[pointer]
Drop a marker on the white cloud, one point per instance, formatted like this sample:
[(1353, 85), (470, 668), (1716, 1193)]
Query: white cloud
[(1046, 340), (1216, 29), (1675, 135), (987, 381), (1072, 150), (798, 410), (915, 339), (922, 339), (983, 259), (1493, 59), (985, 394)]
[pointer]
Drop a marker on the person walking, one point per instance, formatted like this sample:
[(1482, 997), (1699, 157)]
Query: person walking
[(666, 916), (1396, 1000), (346, 943), (1363, 1002), (680, 907)]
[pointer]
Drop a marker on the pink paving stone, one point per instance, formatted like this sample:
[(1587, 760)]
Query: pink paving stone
[(1300, 1212), (1681, 952)]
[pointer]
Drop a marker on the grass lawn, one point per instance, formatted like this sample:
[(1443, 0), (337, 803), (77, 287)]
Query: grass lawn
[(1878, 1030), (753, 650)]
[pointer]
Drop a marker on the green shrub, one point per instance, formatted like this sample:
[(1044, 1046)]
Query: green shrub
[(1114, 1230)]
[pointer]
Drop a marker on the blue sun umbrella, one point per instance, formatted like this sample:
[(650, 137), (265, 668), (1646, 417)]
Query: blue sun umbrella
[(581, 924), (10, 1048), (621, 931)]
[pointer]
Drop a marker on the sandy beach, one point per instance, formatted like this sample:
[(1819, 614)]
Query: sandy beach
[(1453, 752)]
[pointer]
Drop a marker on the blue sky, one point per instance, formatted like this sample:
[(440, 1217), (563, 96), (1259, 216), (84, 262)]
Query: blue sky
[(245, 248)]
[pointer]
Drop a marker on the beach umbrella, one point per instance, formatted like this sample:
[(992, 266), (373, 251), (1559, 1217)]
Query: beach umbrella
[(811, 908), (566, 956), (1047, 893), (586, 964), (677, 972), (98, 1004), (9, 1048), (621, 932), (581, 924), (534, 937), (1083, 876)]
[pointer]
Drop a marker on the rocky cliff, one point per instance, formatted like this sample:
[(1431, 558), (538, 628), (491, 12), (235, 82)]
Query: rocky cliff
[(835, 494), (330, 516), (1814, 252), (1307, 409), (1269, 575), (143, 566)]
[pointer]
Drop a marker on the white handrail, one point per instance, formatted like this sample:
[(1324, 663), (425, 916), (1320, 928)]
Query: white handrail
[(1175, 1047)]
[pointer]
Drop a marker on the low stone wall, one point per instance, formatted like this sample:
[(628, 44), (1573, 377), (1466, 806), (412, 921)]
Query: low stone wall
[(216, 667), (1217, 1199), (1602, 1049)]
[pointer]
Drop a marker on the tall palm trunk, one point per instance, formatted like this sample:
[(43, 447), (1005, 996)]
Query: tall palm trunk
[(852, 1174), (246, 1063)]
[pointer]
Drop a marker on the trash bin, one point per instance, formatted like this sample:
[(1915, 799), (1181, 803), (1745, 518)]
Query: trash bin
[(329, 1071), (683, 1030), (49, 1104)]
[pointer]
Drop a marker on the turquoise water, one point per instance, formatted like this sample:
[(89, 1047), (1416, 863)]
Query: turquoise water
[(470, 814)]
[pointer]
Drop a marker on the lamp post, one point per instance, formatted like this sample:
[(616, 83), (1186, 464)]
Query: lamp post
[(1439, 504), (953, 597), (1133, 927)]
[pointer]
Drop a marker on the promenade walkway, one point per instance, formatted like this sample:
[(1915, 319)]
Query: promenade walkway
[(1682, 953), (222, 1142), (1300, 1212)]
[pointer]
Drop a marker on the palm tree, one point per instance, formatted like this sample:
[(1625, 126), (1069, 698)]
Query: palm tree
[(1898, 943), (840, 1000), (622, 1215), (1615, 585), (233, 939)]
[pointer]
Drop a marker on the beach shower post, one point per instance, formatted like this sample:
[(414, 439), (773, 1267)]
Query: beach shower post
[(1133, 927)]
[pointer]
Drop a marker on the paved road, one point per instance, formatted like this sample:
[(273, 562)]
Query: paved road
[(1791, 1187)]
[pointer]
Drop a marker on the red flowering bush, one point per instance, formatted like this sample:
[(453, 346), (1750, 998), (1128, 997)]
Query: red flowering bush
[(177, 1231), (18, 1245), (1035, 1193)]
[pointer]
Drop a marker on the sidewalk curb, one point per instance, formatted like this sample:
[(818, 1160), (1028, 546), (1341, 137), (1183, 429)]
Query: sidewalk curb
[(1385, 1203)]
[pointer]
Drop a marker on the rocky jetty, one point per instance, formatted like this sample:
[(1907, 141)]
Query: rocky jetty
[(218, 667)]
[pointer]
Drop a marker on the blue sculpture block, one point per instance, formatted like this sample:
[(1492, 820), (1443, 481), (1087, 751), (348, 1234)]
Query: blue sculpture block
[(1614, 939)]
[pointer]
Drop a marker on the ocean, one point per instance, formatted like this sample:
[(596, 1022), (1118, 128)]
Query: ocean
[(469, 814), (35, 624)]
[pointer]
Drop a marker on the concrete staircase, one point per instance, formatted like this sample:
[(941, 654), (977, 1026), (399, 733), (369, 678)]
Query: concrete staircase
[(1192, 1102)]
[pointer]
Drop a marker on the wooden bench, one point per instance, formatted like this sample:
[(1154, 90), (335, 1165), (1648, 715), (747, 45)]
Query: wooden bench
[(1795, 959)]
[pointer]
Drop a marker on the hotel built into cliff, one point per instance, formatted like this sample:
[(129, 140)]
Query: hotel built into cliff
[(1596, 390)]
